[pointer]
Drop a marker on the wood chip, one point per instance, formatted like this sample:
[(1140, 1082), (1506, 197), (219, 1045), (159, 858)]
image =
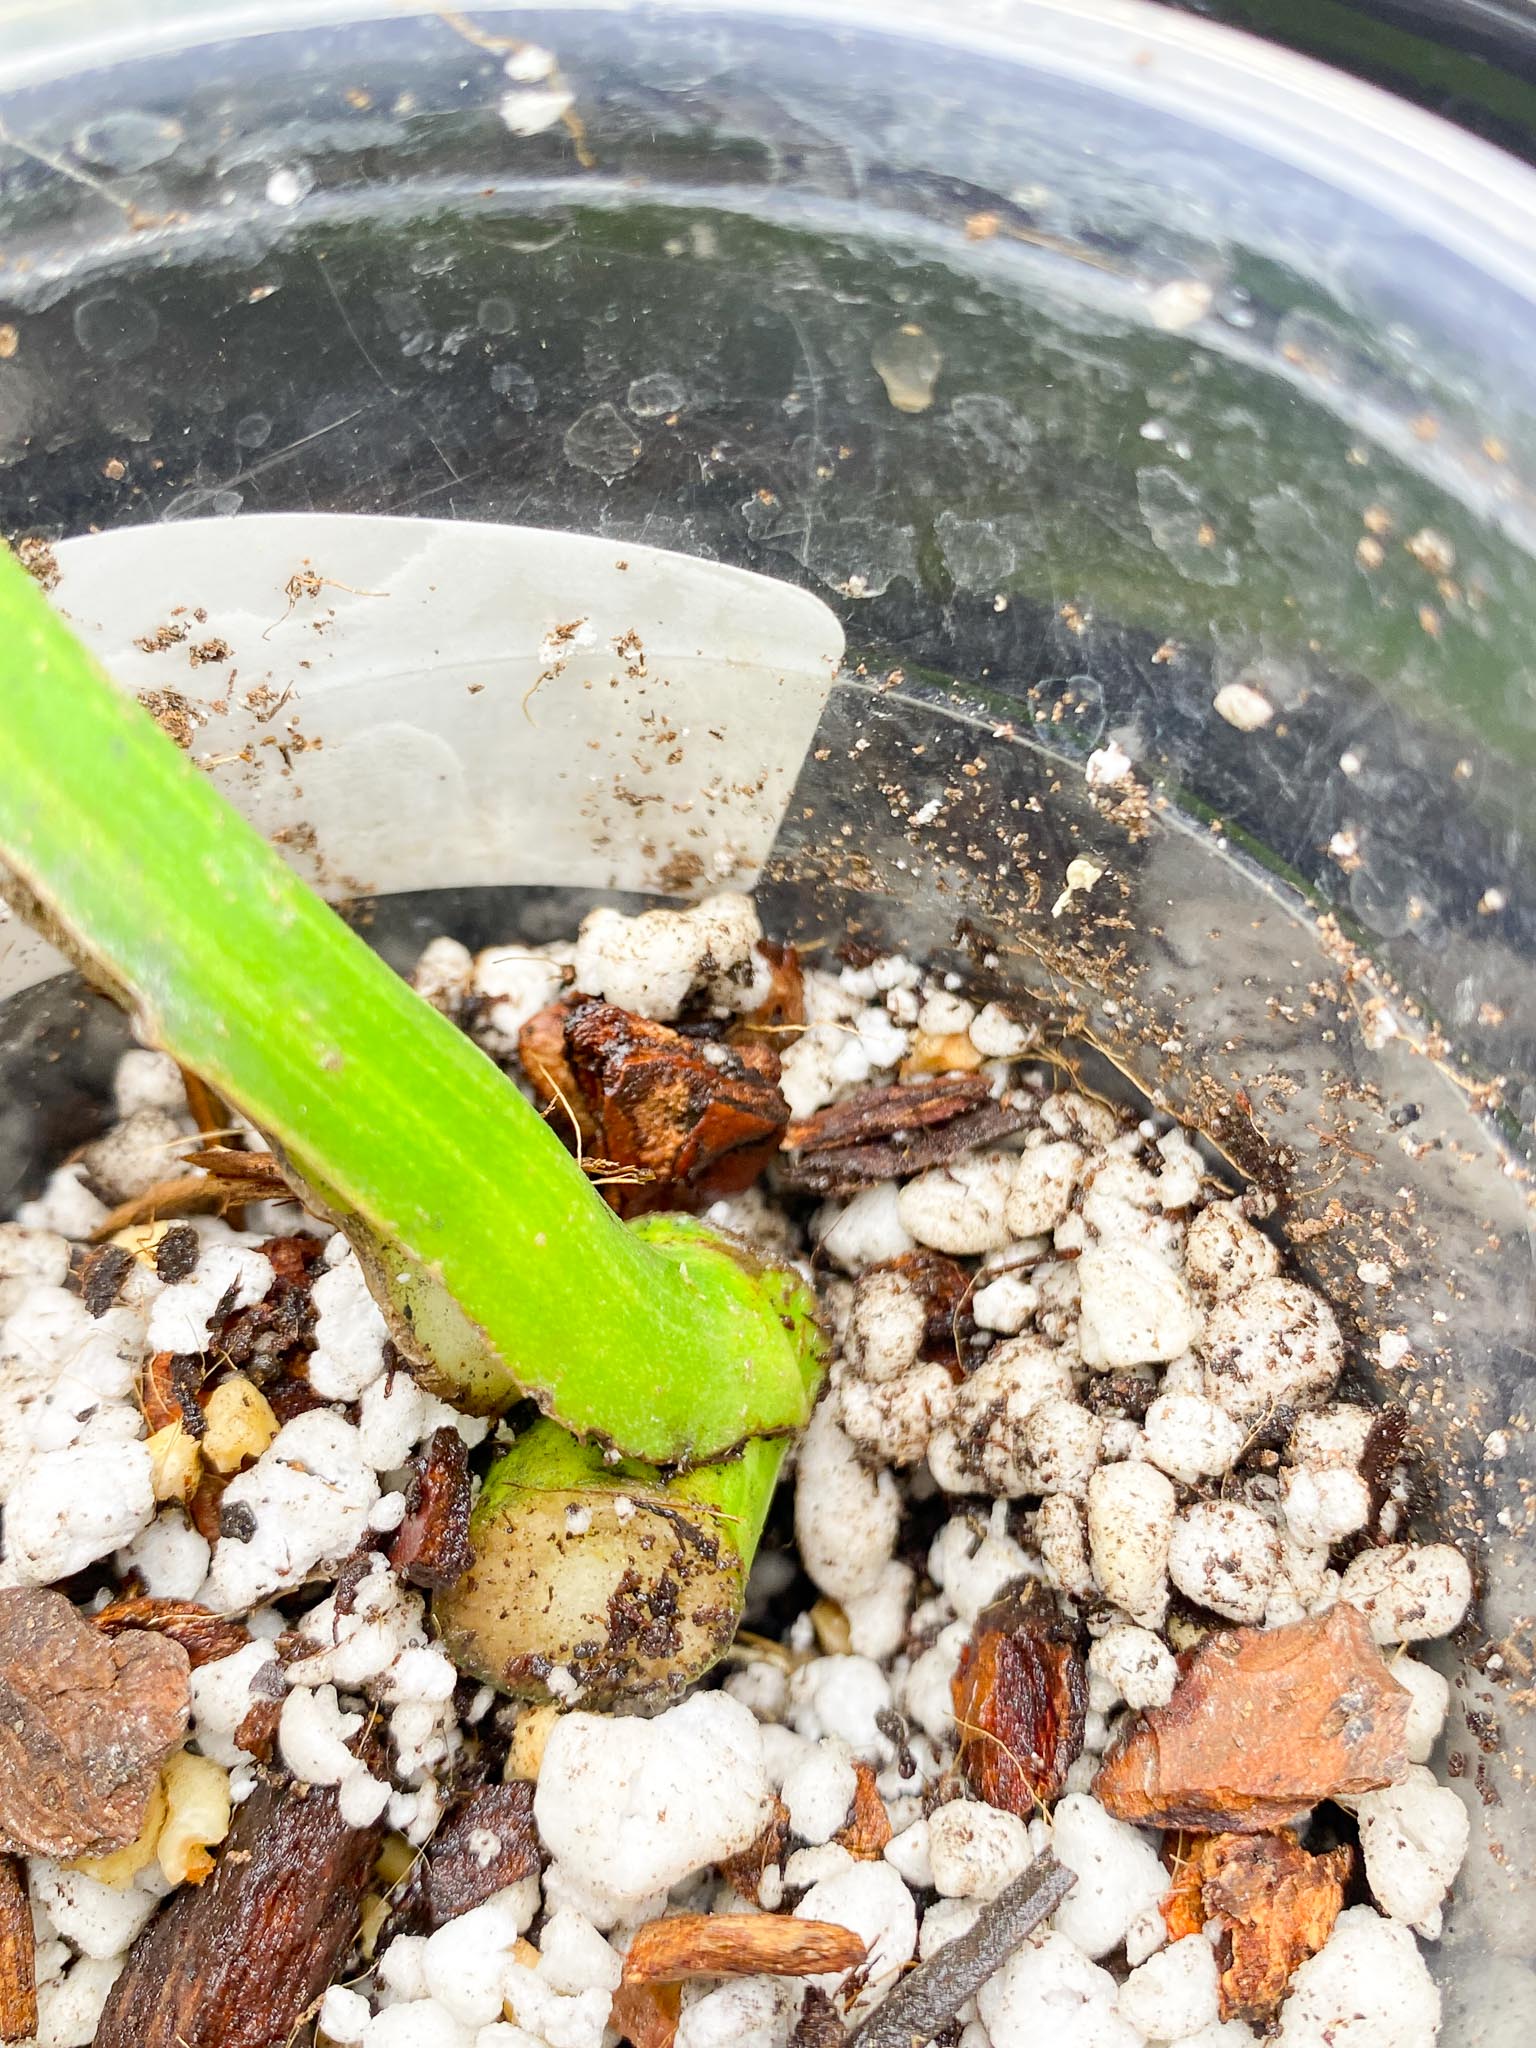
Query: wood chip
[(881, 1133), (819, 2023), (431, 1546), (744, 1871), (698, 1118), (237, 1962), (930, 1996), (1020, 1693), (86, 1721), (486, 1842), (868, 1827), (646, 2015), (1264, 1724), (1277, 1904), (204, 1635), (18, 1955), (739, 1945), (780, 1016)]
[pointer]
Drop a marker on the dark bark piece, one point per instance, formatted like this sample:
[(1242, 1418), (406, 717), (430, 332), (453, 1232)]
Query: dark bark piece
[(700, 1120), (487, 1842), (102, 1274), (204, 1635), (18, 1955), (292, 1257), (819, 2024), (168, 1392), (882, 1133), (257, 1732), (1383, 1449), (85, 1724), (236, 1962), (176, 1253), (1021, 1703), (929, 1996), (743, 1872), (431, 1546), (1265, 1723)]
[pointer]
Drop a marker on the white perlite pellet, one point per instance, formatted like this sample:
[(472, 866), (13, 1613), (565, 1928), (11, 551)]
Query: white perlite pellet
[(1409, 1592), (1224, 1556), (1173, 1993), (846, 1517), (975, 1850), (1273, 1344), (1366, 1988), (1135, 1308), (1414, 1838), (1119, 1874), (1130, 1528), (631, 1807), (958, 1208)]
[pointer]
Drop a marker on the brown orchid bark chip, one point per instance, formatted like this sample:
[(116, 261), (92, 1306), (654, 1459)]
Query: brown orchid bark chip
[(86, 1721), (739, 1945), (646, 2015), (205, 1636), (868, 1827), (674, 1120), (1020, 1693), (1264, 1724), (881, 1133), (744, 1871), (1278, 1904), (237, 1962), (18, 1955), (487, 1841), (431, 1546)]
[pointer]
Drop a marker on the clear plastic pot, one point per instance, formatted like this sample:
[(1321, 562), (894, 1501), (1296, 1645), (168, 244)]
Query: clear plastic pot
[(1112, 377)]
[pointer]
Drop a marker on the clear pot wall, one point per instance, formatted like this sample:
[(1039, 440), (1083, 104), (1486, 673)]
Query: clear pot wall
[(1089, 362)]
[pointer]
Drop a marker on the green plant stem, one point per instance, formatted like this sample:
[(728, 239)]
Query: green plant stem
[(502, 1270), (627, 1581)]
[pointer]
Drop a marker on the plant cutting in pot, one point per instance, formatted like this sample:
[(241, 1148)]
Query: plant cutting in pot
[(670, 1366)]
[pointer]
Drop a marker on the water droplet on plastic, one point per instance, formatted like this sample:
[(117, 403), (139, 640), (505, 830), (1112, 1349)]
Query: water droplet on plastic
[(254, 431), (203, 504), (117, 326), (128, 141), (497, 315), (513, 383), (977, 555), (653, 396), (1180, 303), (288, 184), (602, 440), (908, 365)]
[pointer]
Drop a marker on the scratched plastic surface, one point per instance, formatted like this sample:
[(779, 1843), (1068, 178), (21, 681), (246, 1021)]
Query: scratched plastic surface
[(1089, 363)]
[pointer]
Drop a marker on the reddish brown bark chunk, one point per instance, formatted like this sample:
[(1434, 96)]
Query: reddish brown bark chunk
[(204, 1635), (431, 1546), (18, 1955), (1021, 1704), (880, 1133), (868, 1827), (85, 1724), (646, 2015), (744, 1871), (1264, 1724), (487, 1842), (739, 1945), (1279, 1904), (236, 1962)]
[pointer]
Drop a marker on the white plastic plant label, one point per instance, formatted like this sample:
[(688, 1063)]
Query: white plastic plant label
[(418, 704)]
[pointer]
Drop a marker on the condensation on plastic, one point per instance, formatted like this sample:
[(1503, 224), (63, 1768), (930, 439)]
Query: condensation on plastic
[(1090, 363)]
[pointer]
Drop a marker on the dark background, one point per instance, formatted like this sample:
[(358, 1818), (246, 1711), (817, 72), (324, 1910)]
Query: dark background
[(1472, 61)]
